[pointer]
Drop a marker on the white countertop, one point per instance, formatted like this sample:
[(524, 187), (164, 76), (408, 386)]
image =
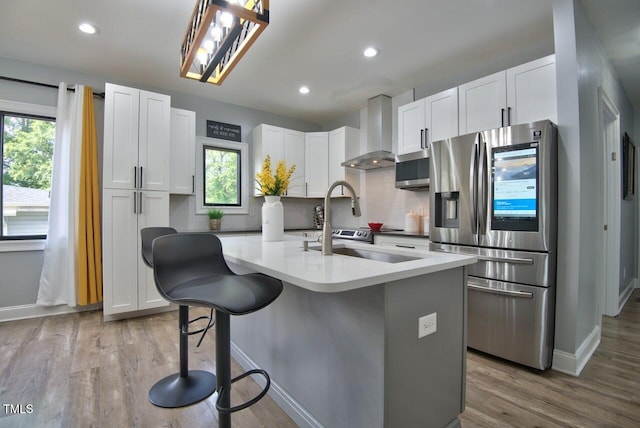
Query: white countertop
[(311, 270)]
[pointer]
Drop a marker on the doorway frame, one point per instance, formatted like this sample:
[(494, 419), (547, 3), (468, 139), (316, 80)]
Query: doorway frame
[(609, 277)]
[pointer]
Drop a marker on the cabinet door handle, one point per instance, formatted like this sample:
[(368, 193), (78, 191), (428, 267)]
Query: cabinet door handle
[(193, 184), (141, 177), (405, 246), (422, 138), (426, 137), (502, 117), (509, 116), (306, 189), (135, 177), (140, 203), (135, 200)]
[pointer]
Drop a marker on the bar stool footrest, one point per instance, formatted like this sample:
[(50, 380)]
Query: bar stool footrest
[(251, 402)]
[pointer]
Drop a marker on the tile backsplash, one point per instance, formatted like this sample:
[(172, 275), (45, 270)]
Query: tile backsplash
[(386, 204), (298, 214), (380, 202)]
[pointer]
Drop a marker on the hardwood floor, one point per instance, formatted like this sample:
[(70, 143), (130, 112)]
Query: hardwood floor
[(607, 394), (77, 371)]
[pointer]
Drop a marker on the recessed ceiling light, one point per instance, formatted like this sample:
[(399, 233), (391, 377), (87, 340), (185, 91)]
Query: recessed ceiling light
[(304, 90), (370, 52), (87, 28)]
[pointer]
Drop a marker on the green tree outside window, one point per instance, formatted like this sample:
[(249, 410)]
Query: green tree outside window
[(221, 176)]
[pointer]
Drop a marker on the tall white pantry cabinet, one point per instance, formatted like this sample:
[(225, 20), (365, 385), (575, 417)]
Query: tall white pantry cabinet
[(135, 193)]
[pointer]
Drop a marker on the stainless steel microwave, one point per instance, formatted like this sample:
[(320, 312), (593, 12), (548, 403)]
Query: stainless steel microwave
[(412, 170)]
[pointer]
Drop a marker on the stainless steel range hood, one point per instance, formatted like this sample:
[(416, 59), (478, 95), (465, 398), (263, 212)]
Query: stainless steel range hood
[(378, 155)]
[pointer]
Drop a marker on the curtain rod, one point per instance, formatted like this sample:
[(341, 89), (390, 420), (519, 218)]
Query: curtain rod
[(46, 85)]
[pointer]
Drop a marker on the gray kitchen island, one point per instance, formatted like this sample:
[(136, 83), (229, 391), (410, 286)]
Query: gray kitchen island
[(342, 344)]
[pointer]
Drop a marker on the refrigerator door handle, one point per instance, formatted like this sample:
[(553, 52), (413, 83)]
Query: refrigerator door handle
[(473, 187), (510, 293), (481, 204), (512, 260)]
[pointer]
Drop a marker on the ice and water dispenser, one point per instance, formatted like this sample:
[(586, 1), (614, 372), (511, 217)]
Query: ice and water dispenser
[(447, 209)]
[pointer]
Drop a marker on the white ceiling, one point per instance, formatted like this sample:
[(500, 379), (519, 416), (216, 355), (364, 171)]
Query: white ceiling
[(317, 43)]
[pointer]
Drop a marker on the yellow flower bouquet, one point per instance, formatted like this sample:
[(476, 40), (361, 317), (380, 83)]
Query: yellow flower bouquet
[(270, 184)]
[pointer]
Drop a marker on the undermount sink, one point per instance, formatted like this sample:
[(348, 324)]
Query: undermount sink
[(371, 255)]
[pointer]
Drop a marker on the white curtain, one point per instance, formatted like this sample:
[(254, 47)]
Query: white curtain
[(59, 274)]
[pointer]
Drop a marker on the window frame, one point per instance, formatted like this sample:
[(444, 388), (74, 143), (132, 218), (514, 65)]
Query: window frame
[(243, 149), (26, 242)]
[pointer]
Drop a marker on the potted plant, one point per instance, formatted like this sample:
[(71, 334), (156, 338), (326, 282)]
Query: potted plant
[(274, 184), (215, 218)]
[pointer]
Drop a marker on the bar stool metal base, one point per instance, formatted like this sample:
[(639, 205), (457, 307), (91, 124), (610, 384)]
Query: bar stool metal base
[(180, 391)]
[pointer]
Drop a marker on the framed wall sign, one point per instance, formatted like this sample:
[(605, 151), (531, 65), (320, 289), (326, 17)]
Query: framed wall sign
[(224, 131)]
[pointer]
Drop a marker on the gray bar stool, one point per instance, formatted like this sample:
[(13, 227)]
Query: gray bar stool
[(190, 270), (187, 386)]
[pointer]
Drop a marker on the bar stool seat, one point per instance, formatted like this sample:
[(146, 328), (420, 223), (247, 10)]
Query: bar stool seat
[(190, 269)]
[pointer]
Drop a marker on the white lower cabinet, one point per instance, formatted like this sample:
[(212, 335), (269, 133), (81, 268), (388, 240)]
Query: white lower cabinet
[(411, 242), (128, 284)]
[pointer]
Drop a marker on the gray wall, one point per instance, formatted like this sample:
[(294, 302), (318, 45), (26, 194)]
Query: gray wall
[(582, 67), (21, 270)]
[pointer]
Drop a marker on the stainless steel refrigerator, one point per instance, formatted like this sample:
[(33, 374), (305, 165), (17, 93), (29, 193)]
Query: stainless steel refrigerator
[(494, 194)]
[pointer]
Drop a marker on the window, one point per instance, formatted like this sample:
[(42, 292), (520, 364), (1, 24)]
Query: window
[(222, 171), (26, 142), (221, 176)]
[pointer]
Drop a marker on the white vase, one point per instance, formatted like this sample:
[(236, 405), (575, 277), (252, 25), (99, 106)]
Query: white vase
[(272, 219)]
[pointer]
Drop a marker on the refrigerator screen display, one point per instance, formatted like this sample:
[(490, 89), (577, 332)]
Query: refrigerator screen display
[(515, 187)]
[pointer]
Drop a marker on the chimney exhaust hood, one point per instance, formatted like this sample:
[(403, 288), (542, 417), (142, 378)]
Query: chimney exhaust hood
[(378, 155)]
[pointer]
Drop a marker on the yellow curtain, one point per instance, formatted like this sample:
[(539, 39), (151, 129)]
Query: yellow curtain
[(89, 232)]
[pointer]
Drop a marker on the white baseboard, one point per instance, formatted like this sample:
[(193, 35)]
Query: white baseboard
[(572, 364), (626, 293), (291, 407), (12, 313)]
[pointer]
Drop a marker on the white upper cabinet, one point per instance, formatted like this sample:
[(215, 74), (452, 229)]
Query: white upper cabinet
[(339, 140), (316, 155), (294, 155), (316, 146), (411, 126), (426, 120), (153, 148), (183, 152), (531, 91), (136, 139), (441, 115), (522, 94), (121, 116), (482, 103), (281, 144)]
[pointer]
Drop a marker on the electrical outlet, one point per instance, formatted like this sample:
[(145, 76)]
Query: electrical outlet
[(427, 325)]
